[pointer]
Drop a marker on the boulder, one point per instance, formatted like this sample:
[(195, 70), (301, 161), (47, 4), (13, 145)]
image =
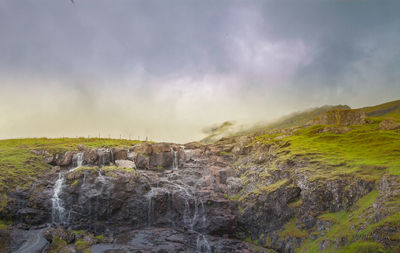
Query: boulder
[(90, 157), (143, 162), (144, 148), (65, 160), (162, 159), (119, 154), (82, 147), (389, 124), (125, 164), (60, 232), (132, 156)]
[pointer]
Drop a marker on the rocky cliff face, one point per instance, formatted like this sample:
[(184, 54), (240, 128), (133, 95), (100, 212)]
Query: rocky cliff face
[(227, 197)]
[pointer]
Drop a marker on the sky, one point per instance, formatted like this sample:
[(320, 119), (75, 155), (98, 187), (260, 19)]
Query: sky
[(165, 70)]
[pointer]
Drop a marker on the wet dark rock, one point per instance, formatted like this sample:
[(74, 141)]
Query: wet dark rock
[(119, 154), (59, 232), (174, 240), (90, 157), (5, 239)]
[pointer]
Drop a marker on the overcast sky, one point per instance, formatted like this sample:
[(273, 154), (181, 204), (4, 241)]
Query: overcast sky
[(167, 69)]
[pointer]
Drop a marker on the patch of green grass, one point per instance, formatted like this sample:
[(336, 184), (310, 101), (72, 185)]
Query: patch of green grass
[(99, 237), (61, 145), (3, 224), (296, 203), (223, 153), (79, 232), (365, 247), (160, 168), (273, 187), (18, 166), (82, 246), (57, 244), (291, 230), (390, 109)]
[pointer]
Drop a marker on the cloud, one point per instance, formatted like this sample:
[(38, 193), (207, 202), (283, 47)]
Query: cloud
[(166, 69)]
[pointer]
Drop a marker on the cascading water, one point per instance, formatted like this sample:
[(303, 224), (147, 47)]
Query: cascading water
[(150, 208), (175, 159), (58, 210), (112, 156), (202, 244)]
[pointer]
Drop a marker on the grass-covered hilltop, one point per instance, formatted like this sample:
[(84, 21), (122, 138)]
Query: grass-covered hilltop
[(324, 180)]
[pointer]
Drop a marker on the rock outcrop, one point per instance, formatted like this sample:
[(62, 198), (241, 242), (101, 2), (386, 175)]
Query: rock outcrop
[(340, 117)]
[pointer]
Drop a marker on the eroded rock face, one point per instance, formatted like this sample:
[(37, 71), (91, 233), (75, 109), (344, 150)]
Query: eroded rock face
[(341, 117)]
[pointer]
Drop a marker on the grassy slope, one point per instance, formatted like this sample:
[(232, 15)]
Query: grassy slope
[(390, 109), (362, 149), (296, 119), (365, 151), (343, 226)]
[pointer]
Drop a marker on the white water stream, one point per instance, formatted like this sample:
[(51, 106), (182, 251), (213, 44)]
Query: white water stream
[(175, 159), (58, 210)]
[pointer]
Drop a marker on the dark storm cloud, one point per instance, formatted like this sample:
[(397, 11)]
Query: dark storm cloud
[(188, 63), (113, 38)]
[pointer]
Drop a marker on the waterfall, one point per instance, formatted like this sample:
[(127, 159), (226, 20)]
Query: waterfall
[(150, 207), (202, 244), (79, 161), (100, 177), (112, 156), (102, 158), (196, 211), (175, 161), (57, 209)]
